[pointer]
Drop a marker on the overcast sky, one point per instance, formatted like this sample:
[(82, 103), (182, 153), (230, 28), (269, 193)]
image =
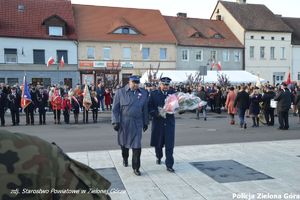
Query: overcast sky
[(196, 8)]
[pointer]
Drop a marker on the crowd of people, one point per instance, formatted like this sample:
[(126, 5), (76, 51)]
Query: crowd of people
[(252, 101), (59, 100)]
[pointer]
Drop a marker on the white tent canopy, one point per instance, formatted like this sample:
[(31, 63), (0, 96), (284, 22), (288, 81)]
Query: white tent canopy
[(234, 77)]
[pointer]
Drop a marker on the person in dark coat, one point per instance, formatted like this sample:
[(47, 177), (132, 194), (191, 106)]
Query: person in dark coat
[(75, 106), (14, 102), (100, 95), (254, 108), (268, 110), (129, 119), (95, 106), (242, 103), (42, 98), (3, 105), (163, 129), (284, 102)]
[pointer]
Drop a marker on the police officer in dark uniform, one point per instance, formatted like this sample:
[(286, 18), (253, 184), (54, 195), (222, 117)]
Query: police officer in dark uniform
[(129, 119), (3, 105), (42, 99), (163, 129), (14, 102)]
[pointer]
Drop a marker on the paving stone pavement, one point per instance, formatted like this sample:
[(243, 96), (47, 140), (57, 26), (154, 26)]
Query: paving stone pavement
[(275, 172)]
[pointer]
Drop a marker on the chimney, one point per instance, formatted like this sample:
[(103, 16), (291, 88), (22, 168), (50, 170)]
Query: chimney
[(241, 1), (180, 14), (21, 8)]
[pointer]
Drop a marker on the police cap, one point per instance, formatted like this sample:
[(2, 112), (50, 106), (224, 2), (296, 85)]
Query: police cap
[(165, 80)]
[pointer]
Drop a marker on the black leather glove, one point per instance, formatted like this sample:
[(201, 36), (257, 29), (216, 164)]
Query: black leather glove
[(145, 128), (116, 126)]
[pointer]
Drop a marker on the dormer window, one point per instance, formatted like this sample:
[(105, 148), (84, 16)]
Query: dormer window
[(197, 35), (217, 36), (126, 31), (55, 31)]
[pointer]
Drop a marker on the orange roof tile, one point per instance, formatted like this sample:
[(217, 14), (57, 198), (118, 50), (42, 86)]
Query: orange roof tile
[(29, 22), (96, 23)]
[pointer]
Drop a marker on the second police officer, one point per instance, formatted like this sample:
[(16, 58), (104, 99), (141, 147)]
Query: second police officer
[(163, 129)]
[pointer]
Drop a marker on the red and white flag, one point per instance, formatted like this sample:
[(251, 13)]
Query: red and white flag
[(50, 61), (62, 62), (219, 66)]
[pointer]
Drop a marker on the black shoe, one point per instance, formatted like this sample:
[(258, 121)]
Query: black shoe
[(170, 169), (280, 128), (204, 118), (125, 163), (245, 126), (158, 161), (137, 172)]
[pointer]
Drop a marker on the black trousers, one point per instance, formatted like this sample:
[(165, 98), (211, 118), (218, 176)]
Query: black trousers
[(136, 156), (95, 115), (85, 116), (15, 117), (283, 118), (2, 112), (269, 116), (29, 116), (56, 115), (66, 116), (42, 116)]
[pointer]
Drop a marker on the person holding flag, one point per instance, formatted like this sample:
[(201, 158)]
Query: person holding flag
[(86, 103), (27, 103)]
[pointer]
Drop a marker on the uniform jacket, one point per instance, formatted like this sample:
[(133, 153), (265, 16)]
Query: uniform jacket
[(266, 98), (14, 102), (254, 108), (3, 101), (130, 109), (162, 128), (284, 100), (75, 104)]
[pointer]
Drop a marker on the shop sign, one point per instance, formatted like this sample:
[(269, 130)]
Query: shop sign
[(127, 64), (99, 64)]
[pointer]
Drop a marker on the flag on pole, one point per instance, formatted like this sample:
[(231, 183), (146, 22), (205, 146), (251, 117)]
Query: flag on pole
[(212, 65), (87, 101), (26, 97), (50, 61), (219, 66), (289, 81), (62, 62)]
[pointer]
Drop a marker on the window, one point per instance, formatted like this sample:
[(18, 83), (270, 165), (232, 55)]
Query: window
[(272, 53), (55, 31), (237, 56), (262, 52), (106, 53), (225, 55), (126, 30), (38, 56), (163, 53), (10, 55), (12, 81), (199, 55), (252, 37), (252, 52), (61, 53), (126, 53), (262, 37), (282, 38), (146, 53), (217, 36), (213, 55), (298, 78), (184, 55), (272, 38), (282, 52), (2, 80), (91, 53)]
